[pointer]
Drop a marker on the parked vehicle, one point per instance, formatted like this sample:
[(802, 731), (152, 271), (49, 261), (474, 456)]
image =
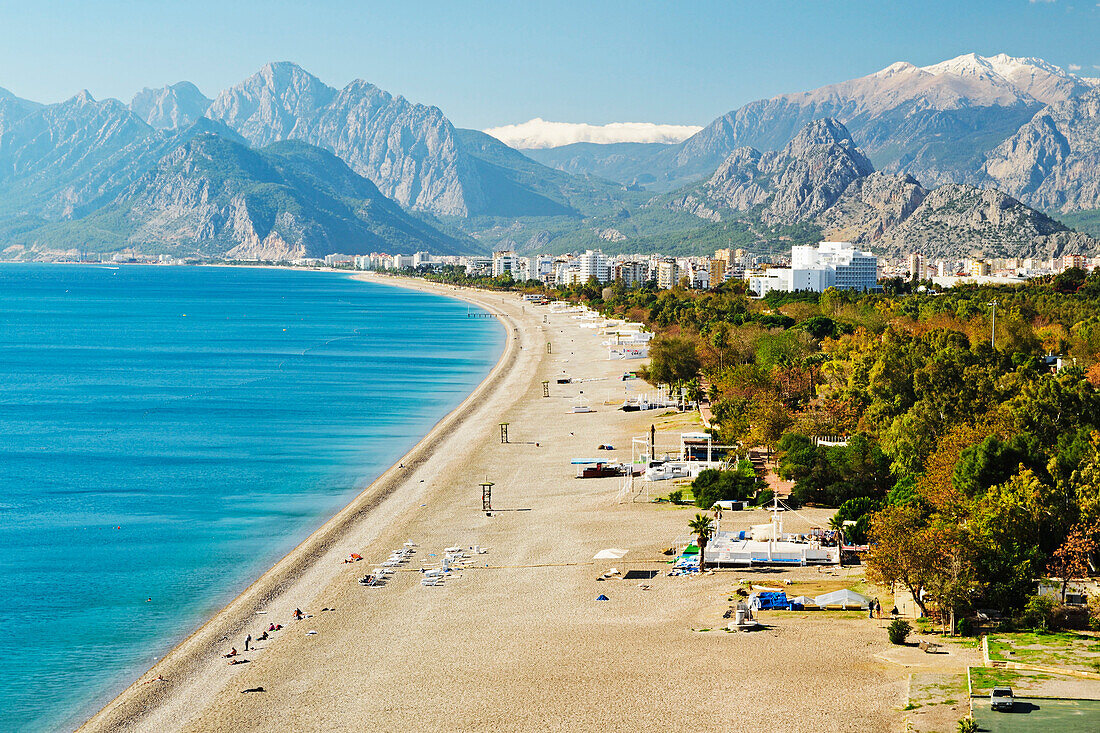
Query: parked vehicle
[(1001, 698)]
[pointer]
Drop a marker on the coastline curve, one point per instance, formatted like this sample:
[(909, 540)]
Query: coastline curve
[(180, 675)]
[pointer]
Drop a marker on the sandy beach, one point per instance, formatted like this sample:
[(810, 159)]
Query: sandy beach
[(517, 640)]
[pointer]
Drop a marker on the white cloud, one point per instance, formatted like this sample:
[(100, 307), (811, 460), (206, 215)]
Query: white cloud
[(539, 133), (1034, 2), (1074, 67)]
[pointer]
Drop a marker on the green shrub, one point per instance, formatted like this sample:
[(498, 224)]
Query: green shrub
[(1037, 613), (676, 496), (898, 631), (764, 497), (712, 485), (968, 725), (964, 627)]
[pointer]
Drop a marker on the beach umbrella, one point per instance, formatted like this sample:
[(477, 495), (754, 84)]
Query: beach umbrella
[(611, 553)]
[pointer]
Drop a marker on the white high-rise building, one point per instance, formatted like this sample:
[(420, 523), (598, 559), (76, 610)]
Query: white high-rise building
[(632, 272), (668, 274), (505, 262), (542, 268), (917, 269), (593, 264), (776, 278), (828, 265), (833, 265)]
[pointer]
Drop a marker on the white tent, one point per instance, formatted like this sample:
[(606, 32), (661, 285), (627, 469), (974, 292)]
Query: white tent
[(803, 601), (842, 598), (610, 553)]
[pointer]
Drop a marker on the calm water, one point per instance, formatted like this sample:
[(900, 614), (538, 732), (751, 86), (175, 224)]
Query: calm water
[(168, 433)]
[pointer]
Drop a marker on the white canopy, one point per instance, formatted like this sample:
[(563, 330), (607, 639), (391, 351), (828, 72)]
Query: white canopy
[(610, 553), (844, 597), (803, 601)]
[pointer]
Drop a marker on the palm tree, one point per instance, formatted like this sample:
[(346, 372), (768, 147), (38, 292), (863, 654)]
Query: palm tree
[(703, 529)]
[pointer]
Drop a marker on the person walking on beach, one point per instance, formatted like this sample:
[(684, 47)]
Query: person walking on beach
[(247, 641)]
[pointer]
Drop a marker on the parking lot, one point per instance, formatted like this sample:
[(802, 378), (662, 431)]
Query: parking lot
[(1039, 715)]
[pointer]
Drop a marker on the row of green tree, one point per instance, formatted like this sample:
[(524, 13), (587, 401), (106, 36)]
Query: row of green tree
[(969, 464)]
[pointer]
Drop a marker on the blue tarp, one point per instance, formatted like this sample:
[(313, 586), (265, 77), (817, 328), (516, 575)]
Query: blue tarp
[(770, 599)]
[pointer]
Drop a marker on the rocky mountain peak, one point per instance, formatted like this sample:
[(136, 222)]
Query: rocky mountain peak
[(822, 178), (80, 98), (171, 107), (804, 179), (272, 104), (1052, 161), (827, 133)]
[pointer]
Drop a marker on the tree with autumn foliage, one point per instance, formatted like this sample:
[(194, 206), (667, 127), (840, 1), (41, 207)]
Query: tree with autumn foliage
[(900, 552), (1073, 559)]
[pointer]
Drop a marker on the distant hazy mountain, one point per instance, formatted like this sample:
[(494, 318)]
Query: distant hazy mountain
[(15, 105), (613, 161), (821, 177), (61, 160), (935, 122), (171, 107), (217, 197), (95, 169), (412, 152)]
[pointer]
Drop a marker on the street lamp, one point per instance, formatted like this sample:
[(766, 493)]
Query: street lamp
[(993, 326)]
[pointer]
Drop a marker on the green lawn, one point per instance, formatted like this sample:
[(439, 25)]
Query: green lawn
[(1068, 649)]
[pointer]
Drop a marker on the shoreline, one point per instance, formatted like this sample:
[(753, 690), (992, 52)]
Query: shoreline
[(141, 699), (534, 632)]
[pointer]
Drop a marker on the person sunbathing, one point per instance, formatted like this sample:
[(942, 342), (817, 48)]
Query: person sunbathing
[(232, 652), (262, 637)]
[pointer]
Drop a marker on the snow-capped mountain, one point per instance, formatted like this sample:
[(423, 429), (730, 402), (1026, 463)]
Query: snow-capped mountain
[(935, 122)]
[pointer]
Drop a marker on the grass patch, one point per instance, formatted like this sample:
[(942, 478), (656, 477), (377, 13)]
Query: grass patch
[(984, 679), (1064, 648)]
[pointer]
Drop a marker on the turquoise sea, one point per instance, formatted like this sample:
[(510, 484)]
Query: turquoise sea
[(167, 433)]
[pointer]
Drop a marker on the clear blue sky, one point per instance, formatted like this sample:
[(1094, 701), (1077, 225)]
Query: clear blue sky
[(486, 62)]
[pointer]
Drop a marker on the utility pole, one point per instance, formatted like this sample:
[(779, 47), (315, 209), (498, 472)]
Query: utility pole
[(993, 327)]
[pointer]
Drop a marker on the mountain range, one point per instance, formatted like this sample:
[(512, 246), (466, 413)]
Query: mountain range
[(822, 178), (1020, 124), (283, 164)]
